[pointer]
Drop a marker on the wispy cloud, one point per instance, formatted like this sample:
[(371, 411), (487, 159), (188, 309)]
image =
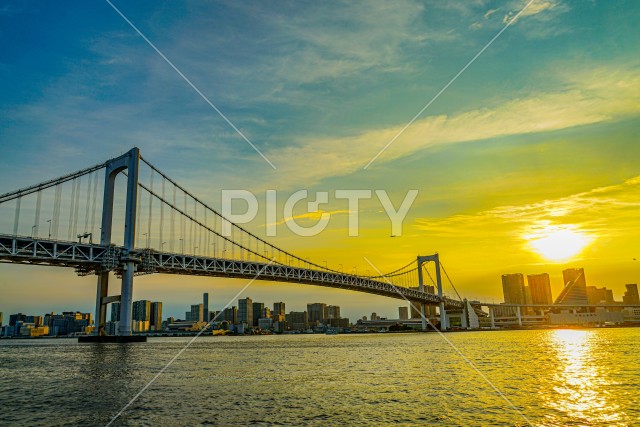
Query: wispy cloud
[(536, 7), (604, 211), (310, 216), (595, 96)]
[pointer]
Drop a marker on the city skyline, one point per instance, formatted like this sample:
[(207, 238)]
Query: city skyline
[(525, 163)]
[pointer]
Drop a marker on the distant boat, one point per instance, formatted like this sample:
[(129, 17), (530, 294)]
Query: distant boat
[(331, 332)]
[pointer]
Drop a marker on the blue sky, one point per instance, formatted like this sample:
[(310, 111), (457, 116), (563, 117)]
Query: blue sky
[(548, 111)]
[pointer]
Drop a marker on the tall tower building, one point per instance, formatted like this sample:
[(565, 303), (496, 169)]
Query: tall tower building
[(513, 288), (631, 295), (403, 313), (575, 287), (258, 308), (205, 306), (156, 316), (278, 308), (540, 288), (245, 311), (142, 310)]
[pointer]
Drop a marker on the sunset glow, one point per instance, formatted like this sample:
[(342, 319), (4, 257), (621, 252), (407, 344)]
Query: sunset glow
[(558, 242)]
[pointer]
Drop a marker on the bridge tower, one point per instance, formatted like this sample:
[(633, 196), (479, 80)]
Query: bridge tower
[(129, 162), (443, 315)]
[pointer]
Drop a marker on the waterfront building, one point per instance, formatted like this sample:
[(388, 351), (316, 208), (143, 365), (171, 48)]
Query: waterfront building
[(111, 328), (15, 318), (230, 314), (338, 323), (265, 323), (599, 295), (374, 316), (115, 312), (573, 317), (245, 311), (69, 322), (278, 308), (31, 330), (333, 312), (155, 321), (140, 325), (0, 319), (317, 312), (575, 289), (513, 288), (258, 308), (298, 320), (35, 320), (540, 288), (403, 313), (141, 311), (266, 312), (279, 323), (196, 313), (629, 297)]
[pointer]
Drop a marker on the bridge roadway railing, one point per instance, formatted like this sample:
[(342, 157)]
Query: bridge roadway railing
[(89, 258)]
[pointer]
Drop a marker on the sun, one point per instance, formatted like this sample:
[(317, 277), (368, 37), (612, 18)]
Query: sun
[(557, 242)]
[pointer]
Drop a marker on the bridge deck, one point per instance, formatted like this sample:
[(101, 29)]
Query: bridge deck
[(90, 258)]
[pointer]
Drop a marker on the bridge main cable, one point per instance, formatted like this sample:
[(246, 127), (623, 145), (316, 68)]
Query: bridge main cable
[(48, 184)]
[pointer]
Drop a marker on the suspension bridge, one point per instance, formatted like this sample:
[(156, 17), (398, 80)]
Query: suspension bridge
[(157, 226)]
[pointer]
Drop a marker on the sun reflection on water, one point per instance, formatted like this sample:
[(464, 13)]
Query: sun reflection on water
[(581, 387)]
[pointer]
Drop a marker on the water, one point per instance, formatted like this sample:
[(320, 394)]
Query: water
[(553, 378)]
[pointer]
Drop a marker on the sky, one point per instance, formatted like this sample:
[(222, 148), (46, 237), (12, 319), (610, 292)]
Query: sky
[(526, 162)]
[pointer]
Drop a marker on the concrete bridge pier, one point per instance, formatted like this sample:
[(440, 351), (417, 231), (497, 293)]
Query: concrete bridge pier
[(129, 162)]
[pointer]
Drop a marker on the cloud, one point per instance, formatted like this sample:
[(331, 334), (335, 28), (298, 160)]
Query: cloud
[(536, 7), (593, 96), (604, 211), (310, 216)]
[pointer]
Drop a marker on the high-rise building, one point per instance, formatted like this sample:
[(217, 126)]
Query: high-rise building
[(540, 288), (245, 311), (631, 295), (258, 308), (403, 313), (574, 275), (205, 306), (156, 316), (599, 295), (229, 314), (513, 288), (298, 320), (374, 316), (278, 308), (317, 312), (141, 310), (266, 312), (0, 318), (575, 288), (333, 312), (196, 313), (115, 312)]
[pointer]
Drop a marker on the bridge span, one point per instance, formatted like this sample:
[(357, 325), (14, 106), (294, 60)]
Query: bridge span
[(169, 215)]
